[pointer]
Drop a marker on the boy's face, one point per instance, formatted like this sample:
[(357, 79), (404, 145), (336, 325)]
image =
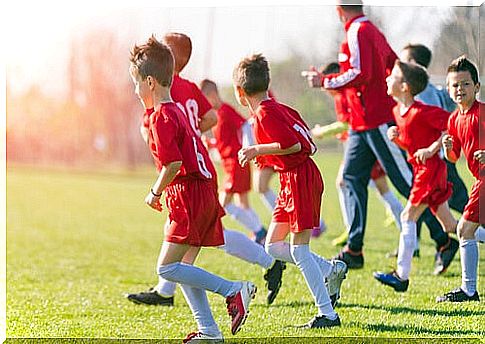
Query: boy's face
[(142, 89), (461, 88), (395, 83)]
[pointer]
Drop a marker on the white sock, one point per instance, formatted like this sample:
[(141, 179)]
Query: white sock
[(407, 243), (199, 305), (391, 201), (342, 198), (480, 234), (198, 278), (282, 250), (313, 276), (164, 287), (239, 245), (269, 199), (469, 265), (239, 214), (253, 219)]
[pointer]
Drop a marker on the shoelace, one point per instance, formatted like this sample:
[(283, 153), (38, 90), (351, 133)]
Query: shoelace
[(191, 336)]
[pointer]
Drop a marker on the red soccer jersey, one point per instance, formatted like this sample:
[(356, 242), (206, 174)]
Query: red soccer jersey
[(227, 132), (468, 132), (171, 138), (276, 122), (420, 126)]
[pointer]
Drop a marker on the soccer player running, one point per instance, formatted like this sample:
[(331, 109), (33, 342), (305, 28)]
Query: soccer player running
[(283, 140), (466, 132), (186, 178), (418, 131)]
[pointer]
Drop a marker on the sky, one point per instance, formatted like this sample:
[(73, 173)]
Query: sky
[(38, 34)]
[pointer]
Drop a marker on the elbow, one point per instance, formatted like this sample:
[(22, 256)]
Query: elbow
[(208, 121)]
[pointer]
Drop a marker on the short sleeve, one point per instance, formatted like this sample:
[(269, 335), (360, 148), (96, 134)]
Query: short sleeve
[(164, 133)]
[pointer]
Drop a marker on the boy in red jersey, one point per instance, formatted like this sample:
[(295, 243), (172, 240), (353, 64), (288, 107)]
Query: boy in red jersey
[(228, 134), (184, 176), (419, 130), (466, 132), (284, 141)]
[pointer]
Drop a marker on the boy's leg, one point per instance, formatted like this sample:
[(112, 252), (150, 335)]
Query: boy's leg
[(262, 178), (390, 200), (239, 245), (445, 217), (243, 202)]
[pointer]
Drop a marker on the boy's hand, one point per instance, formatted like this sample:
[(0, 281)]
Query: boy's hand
[(153, 202), (480, 156), (447, 142), (246, 154), (422, 155), (313, 77), (393, 133)]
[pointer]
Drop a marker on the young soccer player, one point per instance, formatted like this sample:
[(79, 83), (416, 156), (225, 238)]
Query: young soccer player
[(418, 131), (466, 132), (201, 117), (228, 134), (191, 196), (283, 140)]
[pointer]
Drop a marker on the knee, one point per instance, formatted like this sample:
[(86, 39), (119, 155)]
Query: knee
[(167, 271), (465, 232)]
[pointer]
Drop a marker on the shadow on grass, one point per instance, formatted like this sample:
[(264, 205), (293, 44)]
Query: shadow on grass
[(284, 304), (400, 309)]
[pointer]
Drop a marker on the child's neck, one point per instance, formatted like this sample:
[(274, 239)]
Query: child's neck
[(405, 100), (465, 107), (162, 95), (256, 99)]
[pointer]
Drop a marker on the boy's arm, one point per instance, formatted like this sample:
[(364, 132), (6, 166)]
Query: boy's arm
[(393, 135), (450, 154), (166, 176), (249, 153), (423, 154), (329, 130), (207, 121)]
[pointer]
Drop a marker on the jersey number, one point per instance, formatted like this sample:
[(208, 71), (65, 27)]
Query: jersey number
[(200, 161), (191, 110)]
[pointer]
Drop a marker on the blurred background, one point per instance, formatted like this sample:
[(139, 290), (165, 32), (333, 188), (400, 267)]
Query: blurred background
[(70, 100)]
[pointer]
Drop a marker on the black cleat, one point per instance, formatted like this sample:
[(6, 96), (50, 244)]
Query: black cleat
[(273, 279), (445, 255), (353, 260), (393, 280), (457, 295), (150, 297), (321, 321)]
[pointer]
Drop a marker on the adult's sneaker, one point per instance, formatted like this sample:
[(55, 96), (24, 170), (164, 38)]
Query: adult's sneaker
[(150, 297), (354, 260), (458, 295), (321, 321), (273, 279), (445, 256), (392, 279), (334, 280), (199, 337), (238, 305)]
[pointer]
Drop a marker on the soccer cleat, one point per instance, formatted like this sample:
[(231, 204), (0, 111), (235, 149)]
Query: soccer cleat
[(354, 260), (238, 305), (445, 255), (341, 240), (334, 281), (260, 236), (150, 297), (458, 295), (273, 279), (393, 280), (321, 321), (199, 337)]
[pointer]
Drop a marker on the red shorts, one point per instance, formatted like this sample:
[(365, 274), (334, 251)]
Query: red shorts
[(475, 208), (377, 171), (300, 197), (237, 179), (430, 185), (194, 214)]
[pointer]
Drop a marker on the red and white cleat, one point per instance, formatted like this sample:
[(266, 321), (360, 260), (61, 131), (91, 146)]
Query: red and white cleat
[(199, 337), (238, 305)]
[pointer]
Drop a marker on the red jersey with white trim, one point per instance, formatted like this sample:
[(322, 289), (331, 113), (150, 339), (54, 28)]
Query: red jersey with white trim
[(171, 138), (227, 131), (276, 122), (370, 61), (468, 132), (420, 126), (189, 99)]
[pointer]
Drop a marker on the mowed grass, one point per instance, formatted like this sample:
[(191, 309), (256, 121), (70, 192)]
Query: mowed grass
[(78, 241)]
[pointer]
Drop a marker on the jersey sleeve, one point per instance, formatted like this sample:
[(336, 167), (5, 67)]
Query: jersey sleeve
[(146, 117), (164, 132)]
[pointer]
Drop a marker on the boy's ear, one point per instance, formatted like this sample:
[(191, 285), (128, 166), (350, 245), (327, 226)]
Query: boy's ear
[(151, 82)]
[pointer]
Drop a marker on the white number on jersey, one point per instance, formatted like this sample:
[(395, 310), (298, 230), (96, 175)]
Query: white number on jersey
[(201, 162), (191, 110), (307, 135)]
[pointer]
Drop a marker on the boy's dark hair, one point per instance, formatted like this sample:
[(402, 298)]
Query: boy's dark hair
[(351, 5), (153, 59), (414, 75), (207, 86), (462, 64), (252, 74), (331, 68), (419, 53)]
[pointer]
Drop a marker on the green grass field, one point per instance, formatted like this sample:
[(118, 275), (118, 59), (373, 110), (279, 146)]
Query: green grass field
[(77, 241)]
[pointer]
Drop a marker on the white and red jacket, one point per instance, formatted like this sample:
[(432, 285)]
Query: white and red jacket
[(367, 59)]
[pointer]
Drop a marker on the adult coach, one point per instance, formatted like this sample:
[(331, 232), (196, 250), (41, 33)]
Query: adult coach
[(367, 59)]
